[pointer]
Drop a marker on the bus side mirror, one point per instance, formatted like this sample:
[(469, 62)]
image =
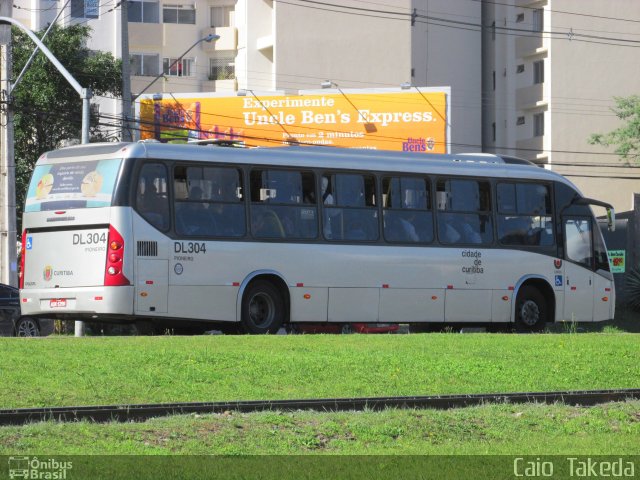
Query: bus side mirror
[(611, 219)]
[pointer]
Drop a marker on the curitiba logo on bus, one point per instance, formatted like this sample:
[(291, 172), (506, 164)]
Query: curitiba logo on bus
[(47, 273)]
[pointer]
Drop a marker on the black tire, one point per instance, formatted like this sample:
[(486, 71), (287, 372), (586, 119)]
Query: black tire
[(346, 329), (27, 327), (148, 328), (531, 310), (262, 309)]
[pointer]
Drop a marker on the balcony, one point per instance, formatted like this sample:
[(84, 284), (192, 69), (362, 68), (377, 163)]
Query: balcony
[(529, 45), (525, 3), (225, 86), (530, 148), (228, 39), (529, 97), (144, 35)]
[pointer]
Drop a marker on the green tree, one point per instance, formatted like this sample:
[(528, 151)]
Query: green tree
[(47, 110), (627, 137)]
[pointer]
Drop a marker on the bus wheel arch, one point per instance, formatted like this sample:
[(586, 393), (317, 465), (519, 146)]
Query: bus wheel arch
[(264, 304), (534, 305)]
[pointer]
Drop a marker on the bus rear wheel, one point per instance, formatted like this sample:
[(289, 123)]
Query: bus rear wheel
[(531, 310), (262, 309)]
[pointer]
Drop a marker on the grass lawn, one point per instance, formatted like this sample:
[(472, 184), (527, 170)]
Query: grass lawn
[(532, 429), (63, 371), (104, 370)]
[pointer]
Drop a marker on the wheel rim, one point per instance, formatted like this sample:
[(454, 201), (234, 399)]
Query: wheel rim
[(27, 328), (261, 310), (530, 313)]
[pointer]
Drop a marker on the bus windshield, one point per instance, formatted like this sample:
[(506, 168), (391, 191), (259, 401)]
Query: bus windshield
[(83, 184)]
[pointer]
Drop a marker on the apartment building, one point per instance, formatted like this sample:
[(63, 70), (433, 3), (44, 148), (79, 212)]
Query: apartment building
[(267, 46), (535, 82), (550, 71)]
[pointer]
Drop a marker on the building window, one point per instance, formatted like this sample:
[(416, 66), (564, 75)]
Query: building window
[(520, 68), (493, 131), (520, 121), (177, 68), (223, 15), (182, 14), (494, 80), (222, 67), (143, 12), (85, 8), (538, 71), (144, 64), (538, 20), (538, 125), (520, 18), (493, 30)]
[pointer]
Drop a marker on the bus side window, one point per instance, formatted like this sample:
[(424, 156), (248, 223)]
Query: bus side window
[(350, 211), (208, 201), (464, 211), (407, 210), (283, 204), (224, 187), (524, 214), (152, 201)]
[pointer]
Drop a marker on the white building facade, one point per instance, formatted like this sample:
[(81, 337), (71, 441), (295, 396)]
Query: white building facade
[(532, 78), (267, 46), (550, 71)]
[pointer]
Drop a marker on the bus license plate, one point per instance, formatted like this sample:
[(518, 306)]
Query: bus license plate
[(58, 303)]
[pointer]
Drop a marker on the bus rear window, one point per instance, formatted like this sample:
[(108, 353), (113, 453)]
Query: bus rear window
[(87, 184)]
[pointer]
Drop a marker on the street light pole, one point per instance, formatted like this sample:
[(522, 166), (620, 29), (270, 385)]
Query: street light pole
[(85, 93), (8, 233)]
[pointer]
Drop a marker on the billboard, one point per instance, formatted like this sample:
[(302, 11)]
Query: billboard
[(415, 120)]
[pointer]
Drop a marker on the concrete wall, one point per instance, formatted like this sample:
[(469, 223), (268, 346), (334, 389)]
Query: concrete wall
[(585, 77), (443, 54), (351, 49)]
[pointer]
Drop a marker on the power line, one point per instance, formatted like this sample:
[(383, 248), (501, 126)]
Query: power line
[(561, 11), (118, 119), (465, 25)]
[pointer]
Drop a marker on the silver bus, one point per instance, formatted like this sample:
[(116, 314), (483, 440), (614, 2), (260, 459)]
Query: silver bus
[(198, 236)]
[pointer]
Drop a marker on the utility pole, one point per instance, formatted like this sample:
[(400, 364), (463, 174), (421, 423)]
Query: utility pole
[(126, 73), (8, 236)]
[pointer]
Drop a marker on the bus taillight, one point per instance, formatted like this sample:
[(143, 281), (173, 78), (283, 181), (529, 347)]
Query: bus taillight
[(22, 254), (113, 275)]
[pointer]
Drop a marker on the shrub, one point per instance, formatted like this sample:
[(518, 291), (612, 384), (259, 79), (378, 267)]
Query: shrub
[(633, 289)]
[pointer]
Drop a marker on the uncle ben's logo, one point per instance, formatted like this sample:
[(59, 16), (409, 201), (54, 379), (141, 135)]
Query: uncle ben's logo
[(47, 273)]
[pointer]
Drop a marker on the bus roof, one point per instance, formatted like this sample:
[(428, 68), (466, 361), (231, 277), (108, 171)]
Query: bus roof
[(466, 164)]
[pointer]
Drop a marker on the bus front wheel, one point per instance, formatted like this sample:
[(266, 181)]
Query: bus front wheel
[(531, 310), (262, 309)]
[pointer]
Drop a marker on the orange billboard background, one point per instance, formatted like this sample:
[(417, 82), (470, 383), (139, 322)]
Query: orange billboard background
[(413, 121)]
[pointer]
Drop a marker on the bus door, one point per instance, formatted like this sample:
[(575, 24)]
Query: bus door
[(578, 272), (152, 286)]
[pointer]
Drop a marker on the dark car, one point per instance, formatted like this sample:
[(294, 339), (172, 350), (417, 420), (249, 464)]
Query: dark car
[(12, 323)]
